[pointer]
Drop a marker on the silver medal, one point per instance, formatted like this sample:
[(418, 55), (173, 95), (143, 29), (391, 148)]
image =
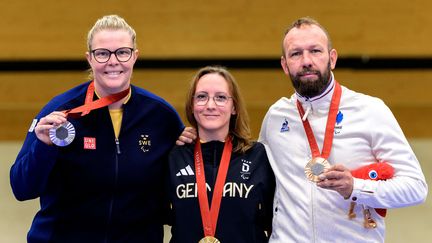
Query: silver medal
[(62, 135)]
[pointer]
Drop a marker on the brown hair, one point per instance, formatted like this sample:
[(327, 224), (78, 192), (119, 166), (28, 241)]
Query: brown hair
[(306, 21), (239, 123)]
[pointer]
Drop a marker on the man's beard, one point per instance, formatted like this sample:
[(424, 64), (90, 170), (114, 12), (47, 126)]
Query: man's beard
[(310, 87)]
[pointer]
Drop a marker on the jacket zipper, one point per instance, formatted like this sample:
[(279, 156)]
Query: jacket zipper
[(313, 214), (110, 211), (117, 146), (215, 163)]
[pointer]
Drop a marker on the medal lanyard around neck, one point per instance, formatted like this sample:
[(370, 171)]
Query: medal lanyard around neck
[(331, 120), (90, 105), (209, 216)]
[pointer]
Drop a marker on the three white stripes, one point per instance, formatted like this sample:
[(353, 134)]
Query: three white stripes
[(186, 171)]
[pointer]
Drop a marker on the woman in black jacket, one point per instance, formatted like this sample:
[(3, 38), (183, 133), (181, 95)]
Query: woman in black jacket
[(221, 186)]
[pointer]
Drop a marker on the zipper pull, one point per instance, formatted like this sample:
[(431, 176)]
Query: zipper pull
[(117, 146)]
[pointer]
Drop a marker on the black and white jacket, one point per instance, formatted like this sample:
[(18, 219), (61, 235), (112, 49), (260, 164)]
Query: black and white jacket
[(246, 207)]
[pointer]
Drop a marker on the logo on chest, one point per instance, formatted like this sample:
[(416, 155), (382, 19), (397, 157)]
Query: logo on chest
[(285, 127), (338, 126), (145, 143), (245, 169), (89, 143)]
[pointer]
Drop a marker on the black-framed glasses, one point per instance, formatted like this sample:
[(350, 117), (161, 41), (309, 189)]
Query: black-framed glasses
[(220, 99), (122, 54)]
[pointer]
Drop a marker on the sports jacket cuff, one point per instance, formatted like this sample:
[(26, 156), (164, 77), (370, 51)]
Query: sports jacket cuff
[(362, 190)]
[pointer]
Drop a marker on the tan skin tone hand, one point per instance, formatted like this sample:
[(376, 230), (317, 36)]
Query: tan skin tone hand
[(46, 123), (188, 135), (337, 178)]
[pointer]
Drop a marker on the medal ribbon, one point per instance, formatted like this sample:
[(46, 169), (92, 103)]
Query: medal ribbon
[(90, 105), (209, 216), (331, 121)]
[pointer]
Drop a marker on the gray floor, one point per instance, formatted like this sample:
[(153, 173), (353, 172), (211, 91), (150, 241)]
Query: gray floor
[(403, 225)]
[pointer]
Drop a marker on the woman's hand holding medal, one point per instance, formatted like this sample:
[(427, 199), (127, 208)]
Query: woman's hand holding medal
[(337, 178), (48, 122), (55, 129)]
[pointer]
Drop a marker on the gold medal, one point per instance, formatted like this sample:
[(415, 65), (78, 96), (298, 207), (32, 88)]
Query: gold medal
[(209, 239), (315, 167)]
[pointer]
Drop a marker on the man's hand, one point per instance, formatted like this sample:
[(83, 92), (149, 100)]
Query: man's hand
[(337, 178), (188, 135)]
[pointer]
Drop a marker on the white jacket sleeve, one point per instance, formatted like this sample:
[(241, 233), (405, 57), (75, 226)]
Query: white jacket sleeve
[(388, 143)]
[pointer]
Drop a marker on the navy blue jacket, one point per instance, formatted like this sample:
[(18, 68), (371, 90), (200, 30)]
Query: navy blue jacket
[(246, 205), (113, 193)]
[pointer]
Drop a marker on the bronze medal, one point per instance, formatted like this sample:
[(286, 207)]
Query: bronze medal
[(315, 167), (209, 239), (319, 162)]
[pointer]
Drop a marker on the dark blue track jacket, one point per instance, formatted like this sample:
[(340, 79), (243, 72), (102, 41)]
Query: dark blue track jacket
[(113, 193)]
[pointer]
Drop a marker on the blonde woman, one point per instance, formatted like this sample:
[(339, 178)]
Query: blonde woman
[(96, 153)]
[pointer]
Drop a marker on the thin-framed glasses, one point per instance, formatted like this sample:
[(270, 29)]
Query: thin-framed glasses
[(220, 99), (122, 54)]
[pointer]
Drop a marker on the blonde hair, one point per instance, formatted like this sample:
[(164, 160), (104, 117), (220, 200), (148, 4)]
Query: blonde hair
[(110, 22), (239, 123)]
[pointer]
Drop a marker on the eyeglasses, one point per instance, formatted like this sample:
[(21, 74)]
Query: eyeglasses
[(122, 54), (220, 99)]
